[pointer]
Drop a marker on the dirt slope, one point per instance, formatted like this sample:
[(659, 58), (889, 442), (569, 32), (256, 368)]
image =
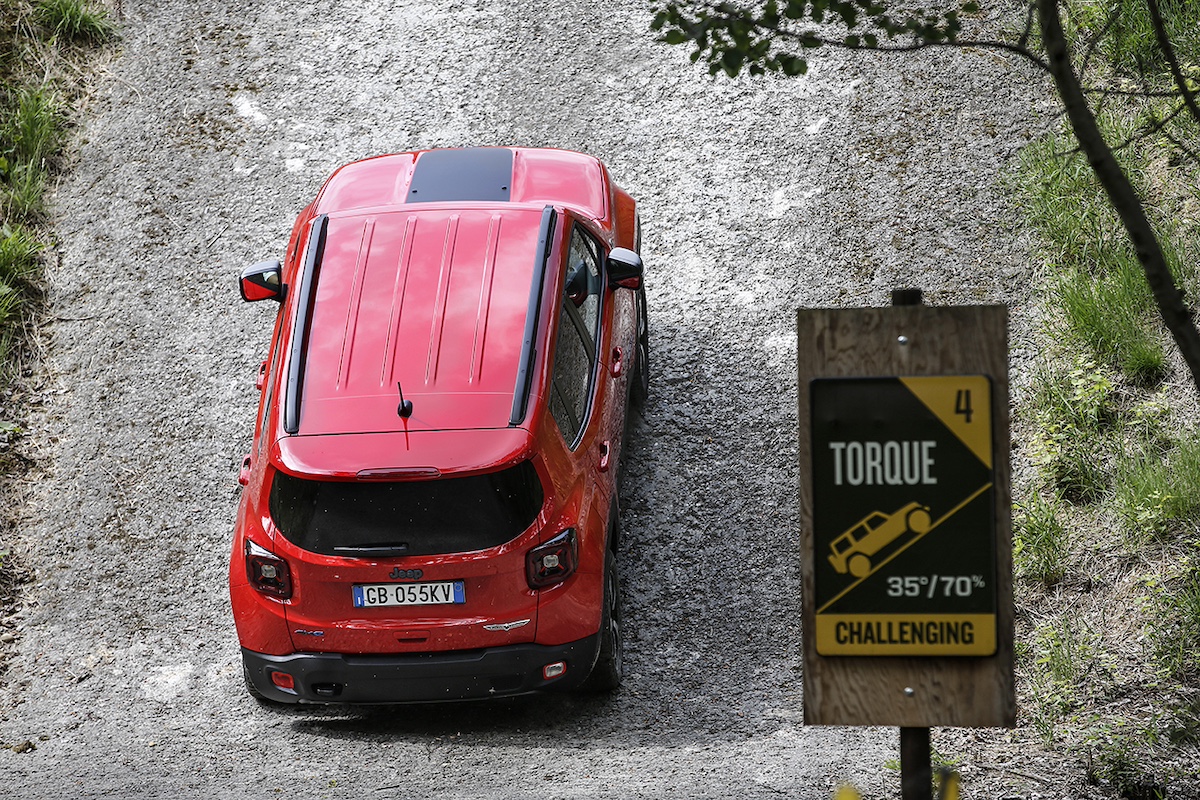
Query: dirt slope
[(758, 196)]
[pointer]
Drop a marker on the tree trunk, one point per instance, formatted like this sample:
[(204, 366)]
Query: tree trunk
[(1120, 191)]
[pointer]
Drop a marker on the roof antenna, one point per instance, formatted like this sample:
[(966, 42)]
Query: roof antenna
[(405, 407)]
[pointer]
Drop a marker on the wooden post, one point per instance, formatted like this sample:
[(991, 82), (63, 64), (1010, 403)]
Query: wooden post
[(916, 772)]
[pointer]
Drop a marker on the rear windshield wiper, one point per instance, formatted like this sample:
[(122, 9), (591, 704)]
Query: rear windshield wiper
[(375, 550)]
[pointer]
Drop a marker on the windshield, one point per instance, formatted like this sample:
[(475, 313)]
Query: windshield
[(447, 515)]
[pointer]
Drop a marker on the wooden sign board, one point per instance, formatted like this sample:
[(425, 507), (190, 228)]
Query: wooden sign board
[(905, 516)]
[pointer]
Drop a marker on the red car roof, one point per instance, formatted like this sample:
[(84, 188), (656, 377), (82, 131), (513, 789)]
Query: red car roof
[(434, 300), (554, 177), (431, 295)]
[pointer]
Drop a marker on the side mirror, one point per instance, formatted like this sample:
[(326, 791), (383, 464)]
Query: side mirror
[(624, 269), (263, 281)]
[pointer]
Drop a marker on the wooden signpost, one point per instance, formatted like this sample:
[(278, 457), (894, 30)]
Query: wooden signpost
[(905, 517)]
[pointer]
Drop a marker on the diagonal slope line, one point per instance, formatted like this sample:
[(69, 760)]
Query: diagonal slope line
[(910, 543)]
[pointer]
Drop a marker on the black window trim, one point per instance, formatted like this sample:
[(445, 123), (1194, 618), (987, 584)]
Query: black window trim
[(524, 383), (296, 350), (600, 254)]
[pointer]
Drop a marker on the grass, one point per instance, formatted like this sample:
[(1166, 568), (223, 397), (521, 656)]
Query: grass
[(1080, 402), (1041, 547), (33, 135), (25, 194), (1056, 664), (1129, 43), (1065, 651), (1158, 493), (19, 255), (20, 268), (1175, 632), (1112, 516), (11, 307), (38, 79), (1116, 756), (74, 20), (35, 127), (34, 93), (1074, 411), (1097, 279), (1128, 338)]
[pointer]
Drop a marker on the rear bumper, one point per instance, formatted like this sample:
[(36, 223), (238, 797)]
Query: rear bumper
[(422, 677)]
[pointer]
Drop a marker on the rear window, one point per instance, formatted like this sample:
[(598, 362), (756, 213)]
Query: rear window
[(447, 515)]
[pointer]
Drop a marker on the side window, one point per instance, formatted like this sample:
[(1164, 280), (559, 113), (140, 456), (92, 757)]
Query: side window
[(269, 394), (583, 280), (575, 351)]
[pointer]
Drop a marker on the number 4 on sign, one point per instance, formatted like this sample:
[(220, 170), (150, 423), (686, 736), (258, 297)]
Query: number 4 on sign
[(962, 404)]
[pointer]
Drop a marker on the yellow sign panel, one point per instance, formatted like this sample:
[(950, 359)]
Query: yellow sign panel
[(906, 634), (963, 403)]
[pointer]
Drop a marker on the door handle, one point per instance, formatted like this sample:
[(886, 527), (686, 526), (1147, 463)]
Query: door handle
[(605, 452), (618, 362), (244, 474), (261, 378)]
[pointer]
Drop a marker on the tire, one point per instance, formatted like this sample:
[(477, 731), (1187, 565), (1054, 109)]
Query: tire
[(639, 391), (919, 521), (606, 674), (860, 565)]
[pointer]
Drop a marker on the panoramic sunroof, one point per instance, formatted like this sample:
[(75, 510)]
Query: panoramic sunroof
[(483, 173)]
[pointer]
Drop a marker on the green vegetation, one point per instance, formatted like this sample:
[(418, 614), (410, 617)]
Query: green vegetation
[(74, 20), (1040, 541), (19, 269), (34, 94), (1073, 412), (1094, 267), (34, 129), (1129, 42), (1119, 758), (1064, 655), (1158, 490), (1175, 630), (1114, 514)]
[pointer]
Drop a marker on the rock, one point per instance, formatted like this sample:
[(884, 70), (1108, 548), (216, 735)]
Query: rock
[(24, 747)]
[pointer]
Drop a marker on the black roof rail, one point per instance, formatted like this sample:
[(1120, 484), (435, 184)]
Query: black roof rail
[(308, 278), (536, 290)]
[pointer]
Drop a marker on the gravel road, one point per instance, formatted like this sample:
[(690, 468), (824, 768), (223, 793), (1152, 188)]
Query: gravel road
[(216, 124)]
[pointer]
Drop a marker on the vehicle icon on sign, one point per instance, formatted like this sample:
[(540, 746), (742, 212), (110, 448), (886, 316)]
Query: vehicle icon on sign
[(852, 550)]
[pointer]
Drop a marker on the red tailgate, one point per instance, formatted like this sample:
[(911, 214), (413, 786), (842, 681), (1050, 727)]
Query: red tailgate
[(322, 616)]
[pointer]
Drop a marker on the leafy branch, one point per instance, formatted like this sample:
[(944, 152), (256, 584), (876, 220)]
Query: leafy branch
[(776, 36), (765, 38)]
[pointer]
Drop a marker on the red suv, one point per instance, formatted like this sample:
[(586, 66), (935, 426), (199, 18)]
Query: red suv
[(430, 504)]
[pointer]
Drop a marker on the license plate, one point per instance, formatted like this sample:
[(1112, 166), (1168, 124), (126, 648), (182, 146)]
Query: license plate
[(409, 594)]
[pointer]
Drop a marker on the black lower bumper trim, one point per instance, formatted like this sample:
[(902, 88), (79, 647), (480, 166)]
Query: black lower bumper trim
[(421, 677)]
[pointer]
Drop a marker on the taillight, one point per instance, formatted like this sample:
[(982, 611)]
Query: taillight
[(552, 562), (267, 572)]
